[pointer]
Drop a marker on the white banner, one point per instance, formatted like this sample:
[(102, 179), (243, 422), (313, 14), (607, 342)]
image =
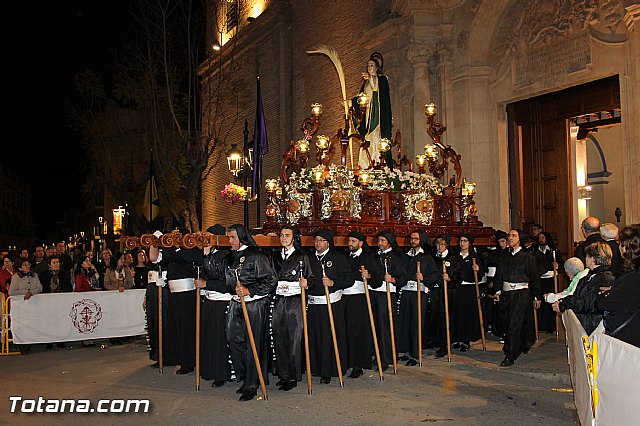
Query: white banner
[(578, 367), (63, 317)]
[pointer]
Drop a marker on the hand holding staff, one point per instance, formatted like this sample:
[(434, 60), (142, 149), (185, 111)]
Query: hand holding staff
[(390, 310), (256, 357), (333, 326), (303, 296), (160, 361), (373, 325), (446, 308), (475, 276), (199, 284), (419, 317)]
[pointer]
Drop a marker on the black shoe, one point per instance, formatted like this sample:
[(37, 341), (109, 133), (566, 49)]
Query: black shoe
[(240, 390), (281, 382), (404, 358), (441, 353), (506, 362), (217, 383), (183, 370), (155, 365), (464, 347), (411, 363), (49, 346), (325, 380), (456, 345), (61, 345), (248, 395), (288, 386), (355, 373)]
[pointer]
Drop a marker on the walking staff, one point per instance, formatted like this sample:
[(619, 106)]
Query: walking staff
[(555, 290), (475, 275), (373, 327), (303, 296), (418, 291), (200, 283), (160, 359), (390, 309), (446, 309), (254, 350), (336, 351)]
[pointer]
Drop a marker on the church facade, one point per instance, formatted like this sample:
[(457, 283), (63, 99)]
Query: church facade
[(524, 87)]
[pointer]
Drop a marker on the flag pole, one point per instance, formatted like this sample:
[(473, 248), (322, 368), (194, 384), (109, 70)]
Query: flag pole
[(150, 190)]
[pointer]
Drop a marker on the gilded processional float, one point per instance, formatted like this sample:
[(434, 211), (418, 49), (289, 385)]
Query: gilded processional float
[(381, 190)]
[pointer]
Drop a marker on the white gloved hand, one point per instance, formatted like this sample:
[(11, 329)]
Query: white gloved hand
[(158, 234)]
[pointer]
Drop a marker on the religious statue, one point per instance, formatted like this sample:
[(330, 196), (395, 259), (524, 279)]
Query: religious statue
[(376, 120)]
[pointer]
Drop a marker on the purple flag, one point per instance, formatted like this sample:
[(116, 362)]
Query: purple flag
[(260, 146)]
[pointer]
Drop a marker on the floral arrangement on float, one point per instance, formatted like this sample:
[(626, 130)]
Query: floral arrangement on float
[(233, 193)]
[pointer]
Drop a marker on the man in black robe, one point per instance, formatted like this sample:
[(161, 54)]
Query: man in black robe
[(408, 316), (518, 274), (447, 258), (215, 298), (293, 271), (336, 275), (390, 261), (181, 265), (359, 337), (248, 274)]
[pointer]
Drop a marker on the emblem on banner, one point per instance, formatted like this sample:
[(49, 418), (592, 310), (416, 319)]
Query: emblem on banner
[(85, 315)]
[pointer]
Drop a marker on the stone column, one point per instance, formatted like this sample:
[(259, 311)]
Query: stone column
[(419, 55), (631, 117)]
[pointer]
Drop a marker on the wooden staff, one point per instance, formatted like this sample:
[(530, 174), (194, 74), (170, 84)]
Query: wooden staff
[(390, 310), (419, 318), (303, 296), (373, 328), (160, 361), (555, 290), (333, 330), (198, 332), (475, 275), (446, 310), (535, 321), (256, 357)]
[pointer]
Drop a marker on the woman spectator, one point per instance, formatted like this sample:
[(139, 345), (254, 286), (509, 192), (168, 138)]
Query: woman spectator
[(25, 283), (544, 253), (55, 282), (6, 273), (104, 264), (621, 303), (141, 270), (118, 276), (583, 301), (84, 275), (52, 280)]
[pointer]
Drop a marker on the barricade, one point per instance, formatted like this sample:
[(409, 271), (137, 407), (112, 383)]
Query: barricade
[(5, 336), (605, 374)]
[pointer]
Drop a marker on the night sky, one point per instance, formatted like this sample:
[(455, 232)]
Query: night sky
[(43, 45)]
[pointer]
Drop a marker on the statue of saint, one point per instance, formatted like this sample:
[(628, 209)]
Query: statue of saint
[(376, 122)]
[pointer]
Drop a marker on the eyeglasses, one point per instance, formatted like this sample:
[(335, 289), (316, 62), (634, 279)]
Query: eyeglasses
[(464, 240)]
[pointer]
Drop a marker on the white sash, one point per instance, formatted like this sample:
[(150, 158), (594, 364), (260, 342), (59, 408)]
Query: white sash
[(288, 288), (356, 288), (322, 300)]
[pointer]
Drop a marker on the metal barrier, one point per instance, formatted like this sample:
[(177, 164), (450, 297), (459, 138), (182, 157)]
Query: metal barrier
[(5, 335)]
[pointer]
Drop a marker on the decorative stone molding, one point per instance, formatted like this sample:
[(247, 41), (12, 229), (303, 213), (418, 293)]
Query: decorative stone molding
[(462, 42), (421, 52), (632, 16)]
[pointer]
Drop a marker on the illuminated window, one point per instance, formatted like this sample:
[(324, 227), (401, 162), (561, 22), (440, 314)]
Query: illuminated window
[(232, 14)]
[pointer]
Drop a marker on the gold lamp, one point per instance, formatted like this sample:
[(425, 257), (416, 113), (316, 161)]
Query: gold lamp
[(364, 178), (271, 185), (302, 146), (431, 151), (430, 110), (316, 110), (421, 161), (363, 100), (234, 160), (384, 145), (468, 188), (318, 175), (322, 142)]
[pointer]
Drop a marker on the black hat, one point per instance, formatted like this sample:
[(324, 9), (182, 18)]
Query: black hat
[(325, 233), (391, 238), (244, 237), (501, 234), (358, 235), (216, 229), (469, 237), (446, 238)]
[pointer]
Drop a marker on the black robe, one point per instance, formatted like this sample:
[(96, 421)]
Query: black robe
[(466, 328), (358, 326), (169, 338), (287, 322), (408, 315), (516, 306), (437, 314), (179, 264), (254, 271), (322, 355), (214, 351), (546, 315), (396, 267)]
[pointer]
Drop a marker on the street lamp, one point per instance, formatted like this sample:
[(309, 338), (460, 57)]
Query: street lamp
[(242, 162)]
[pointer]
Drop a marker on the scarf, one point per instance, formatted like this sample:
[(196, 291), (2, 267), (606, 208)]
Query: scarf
[(55, 281)]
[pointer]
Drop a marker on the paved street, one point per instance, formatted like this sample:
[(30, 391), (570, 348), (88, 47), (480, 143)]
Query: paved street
[(471, 390)]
